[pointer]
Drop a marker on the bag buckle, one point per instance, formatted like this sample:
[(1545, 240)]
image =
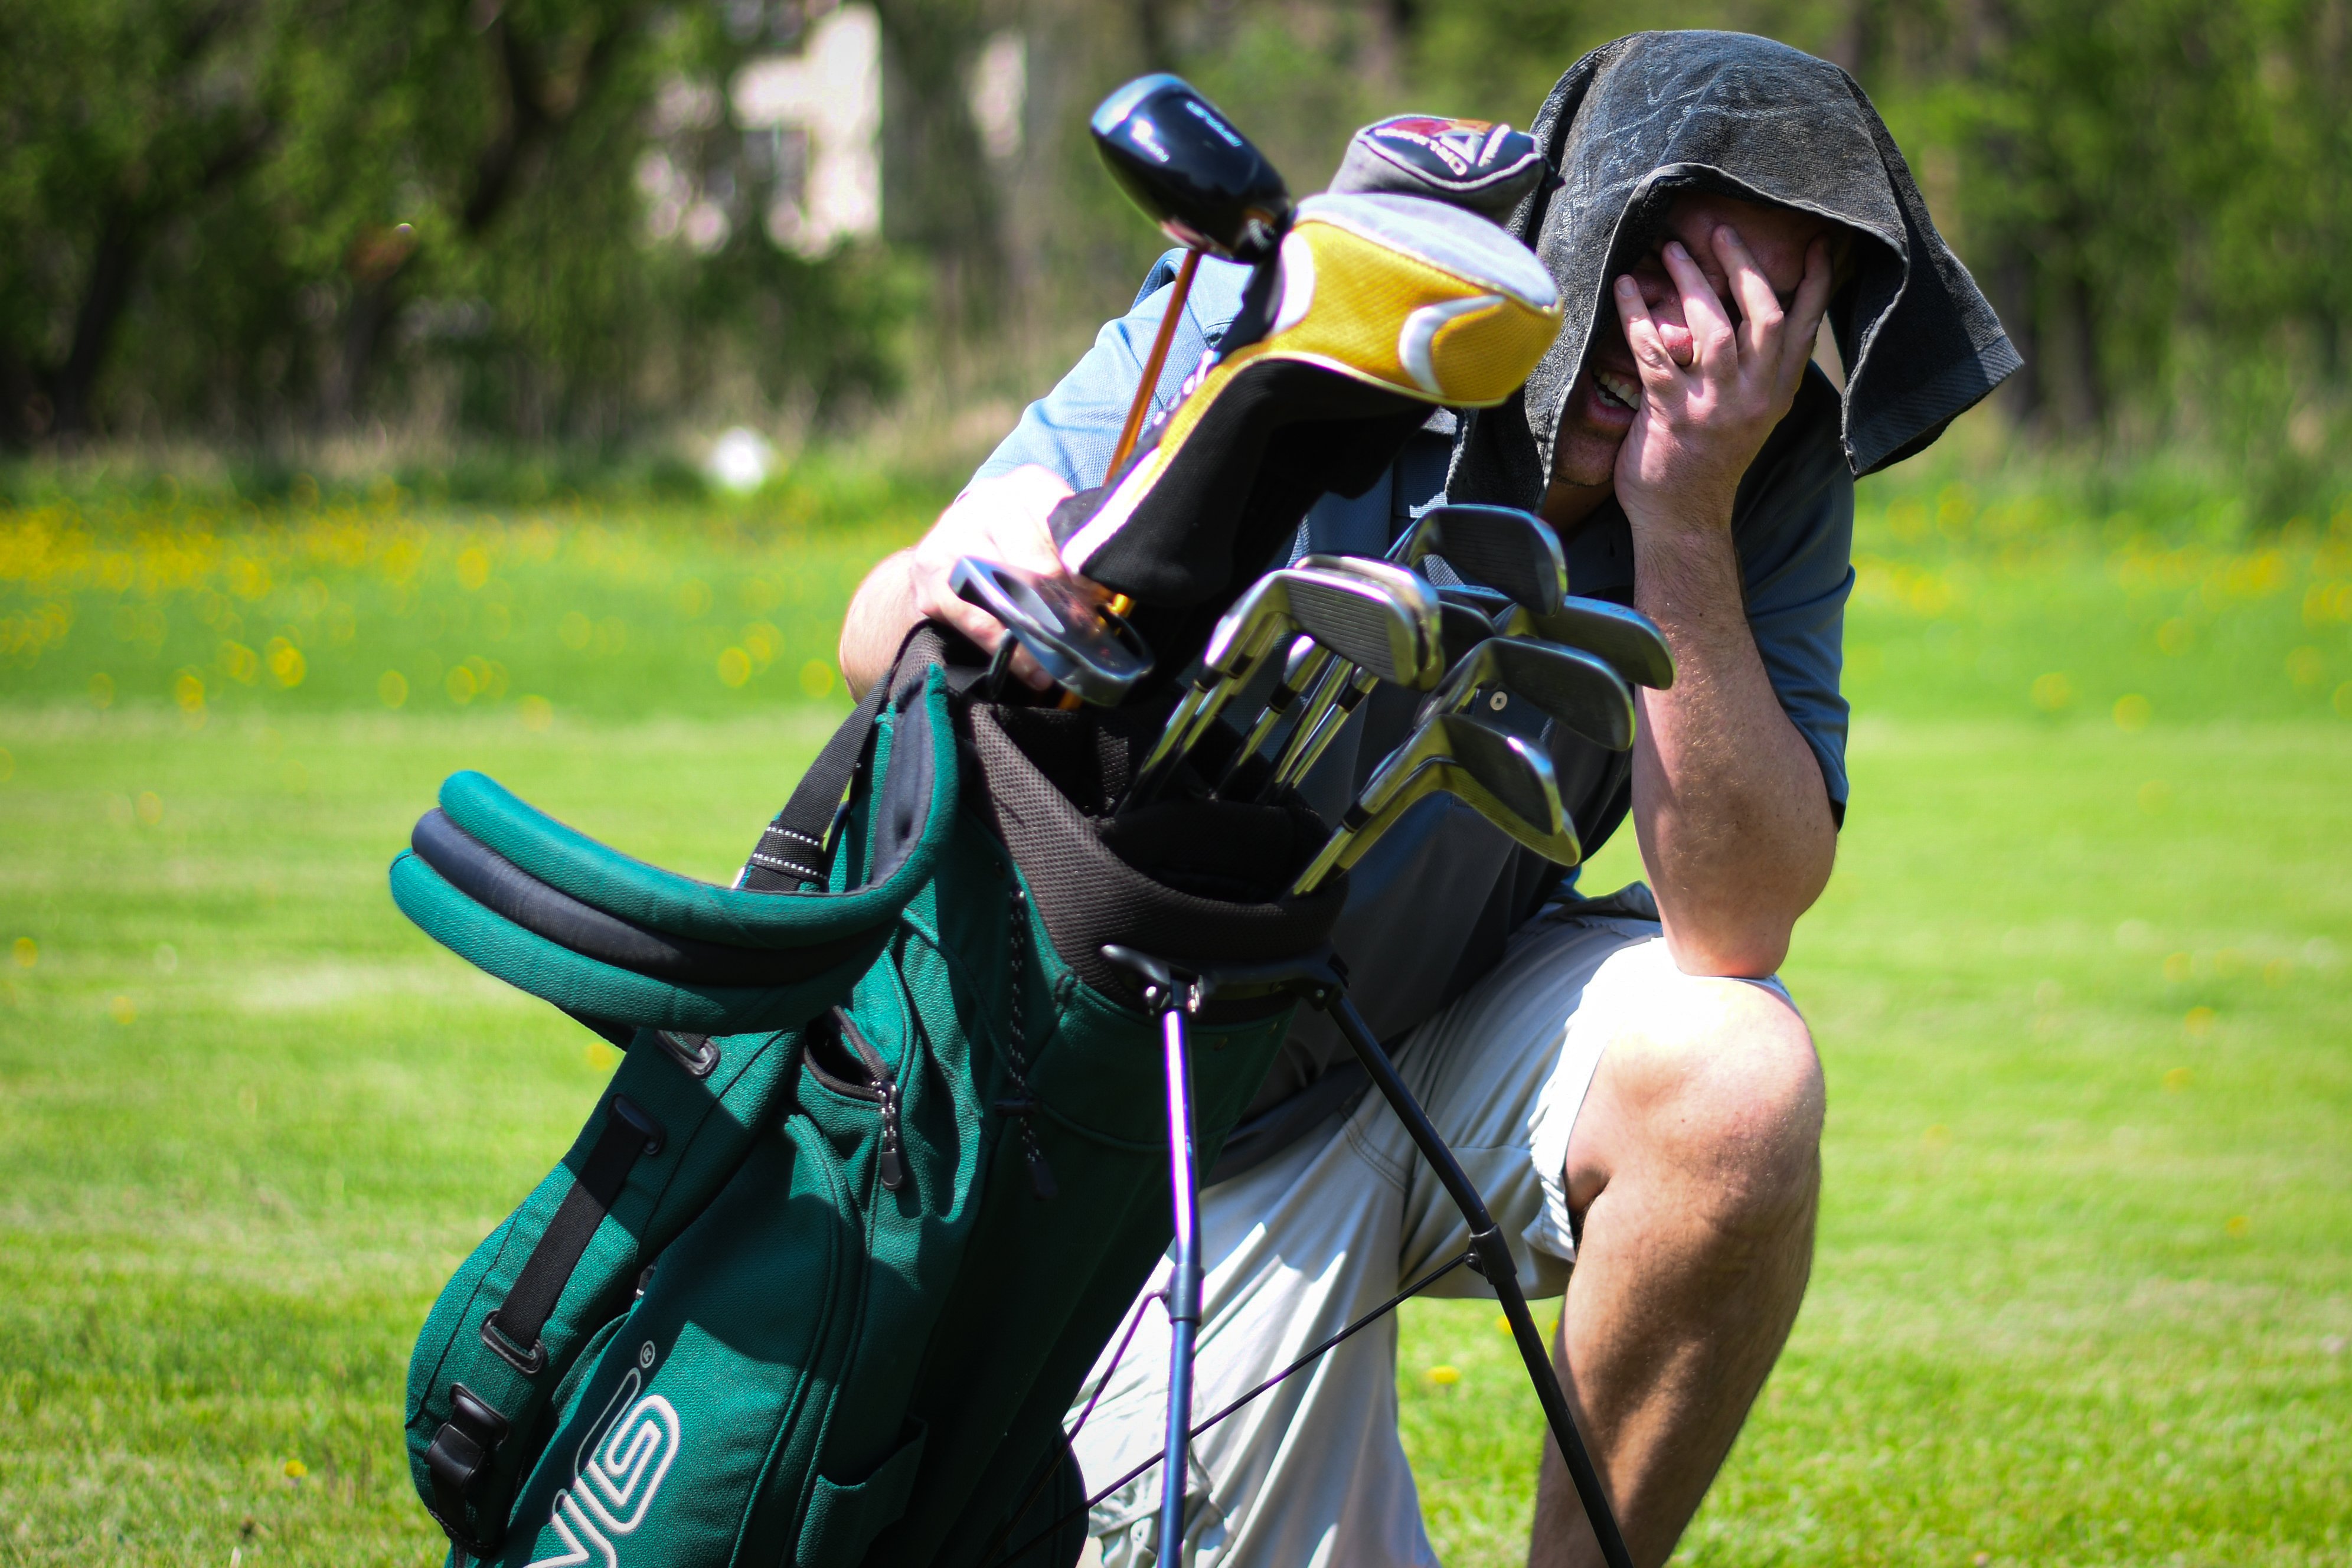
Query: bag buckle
[(531, 1363)]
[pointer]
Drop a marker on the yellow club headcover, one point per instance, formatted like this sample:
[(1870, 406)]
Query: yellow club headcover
[(1414, 295)]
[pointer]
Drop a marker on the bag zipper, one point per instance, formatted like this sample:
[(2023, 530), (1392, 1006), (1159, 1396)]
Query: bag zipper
[(883, 1090)]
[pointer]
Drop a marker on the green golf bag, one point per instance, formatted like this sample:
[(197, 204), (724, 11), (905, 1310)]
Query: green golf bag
[(885, 1162)]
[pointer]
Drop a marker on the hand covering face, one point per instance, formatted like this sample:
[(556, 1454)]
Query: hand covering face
[(1638, 121)]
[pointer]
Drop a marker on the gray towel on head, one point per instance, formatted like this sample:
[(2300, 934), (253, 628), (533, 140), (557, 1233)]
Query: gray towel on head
[(1638, 121)]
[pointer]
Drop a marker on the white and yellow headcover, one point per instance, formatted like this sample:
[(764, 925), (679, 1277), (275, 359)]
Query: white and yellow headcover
[(1410, 294), (1387, 301)]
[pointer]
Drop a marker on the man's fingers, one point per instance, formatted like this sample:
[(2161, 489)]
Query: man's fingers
[(984, 630), (1759, 307), (1710, 327), (1652, 358), (1813, 304)]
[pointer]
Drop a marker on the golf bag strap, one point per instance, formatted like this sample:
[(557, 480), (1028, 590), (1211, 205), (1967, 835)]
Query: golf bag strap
[(791, 851), (511, 1330)]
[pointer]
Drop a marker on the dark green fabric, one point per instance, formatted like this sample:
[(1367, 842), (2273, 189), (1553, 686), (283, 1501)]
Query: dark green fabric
[(595, 990)]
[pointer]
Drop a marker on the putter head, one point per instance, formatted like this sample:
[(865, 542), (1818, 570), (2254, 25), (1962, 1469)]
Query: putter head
[(1418, 664), (1629, 640), (1189, 171), (1501, 547), (1079, 643), (1566, 684)]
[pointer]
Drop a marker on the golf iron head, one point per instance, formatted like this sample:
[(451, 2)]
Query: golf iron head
[(1630, 640), (1079, 642), (1501, 777), (1566, 684), (1189, 171), (1501, 547), (1418, 664), (1356, 620), (1345, 684)]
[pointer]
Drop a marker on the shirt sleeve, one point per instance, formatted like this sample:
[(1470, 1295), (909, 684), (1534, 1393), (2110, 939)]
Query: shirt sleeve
[(1795, 540), (1073, 429)]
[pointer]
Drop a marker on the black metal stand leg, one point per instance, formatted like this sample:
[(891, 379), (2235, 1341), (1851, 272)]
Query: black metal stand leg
[(1184, 1286), (1494, 1260)]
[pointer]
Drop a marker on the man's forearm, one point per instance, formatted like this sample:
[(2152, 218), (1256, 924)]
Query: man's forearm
[(881, 612), (1729, 801)]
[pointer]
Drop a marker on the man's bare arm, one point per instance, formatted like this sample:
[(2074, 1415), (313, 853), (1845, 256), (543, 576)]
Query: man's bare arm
[(1001, 518), (1728, 800)]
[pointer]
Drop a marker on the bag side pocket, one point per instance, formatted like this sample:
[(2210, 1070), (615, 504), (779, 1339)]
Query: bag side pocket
[(844, 1517)]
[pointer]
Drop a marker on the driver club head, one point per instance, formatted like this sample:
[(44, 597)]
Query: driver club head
[(1501, 547), (1181, 161), (1566, 684), (1501, 777), (1077, 641)]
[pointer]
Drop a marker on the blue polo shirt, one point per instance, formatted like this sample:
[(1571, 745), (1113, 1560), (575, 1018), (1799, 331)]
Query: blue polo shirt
[(1431, 906)]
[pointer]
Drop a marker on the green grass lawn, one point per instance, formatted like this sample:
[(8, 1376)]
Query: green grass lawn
[(2083, 983)]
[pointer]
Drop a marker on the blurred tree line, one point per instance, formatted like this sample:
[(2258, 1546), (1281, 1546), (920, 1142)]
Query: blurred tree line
[(257, 220)]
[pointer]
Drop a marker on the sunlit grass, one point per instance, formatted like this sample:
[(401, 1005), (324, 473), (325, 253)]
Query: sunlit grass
[(2084, 1286), (2084, 1291)]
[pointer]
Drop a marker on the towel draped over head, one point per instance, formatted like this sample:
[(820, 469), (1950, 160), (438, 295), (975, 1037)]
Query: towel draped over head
[(1636, 122)]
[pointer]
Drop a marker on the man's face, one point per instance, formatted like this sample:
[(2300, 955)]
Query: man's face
[(1607, 392)]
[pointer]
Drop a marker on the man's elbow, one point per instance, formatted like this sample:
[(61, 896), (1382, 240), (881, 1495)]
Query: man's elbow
[(1745, 935), (1732, 948)]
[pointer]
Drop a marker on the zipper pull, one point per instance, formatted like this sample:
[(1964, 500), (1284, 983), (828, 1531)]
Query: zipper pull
[(1041, 1174), (892, 1162)]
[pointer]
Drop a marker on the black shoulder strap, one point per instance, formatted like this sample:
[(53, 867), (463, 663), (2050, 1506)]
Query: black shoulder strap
[(795, 851), (791, 851)]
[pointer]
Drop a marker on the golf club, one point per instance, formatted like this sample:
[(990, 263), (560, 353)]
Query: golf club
[(1630, 640), (1345, 684), (1499, 546), (1358, 620), (1086, 647), (1300, 670), (1202, 182), (1565, 684), (1501, 777)]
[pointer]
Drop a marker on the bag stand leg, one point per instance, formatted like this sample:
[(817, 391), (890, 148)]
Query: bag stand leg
[(1172, 993), (1491, 1256), (1184, 1286)]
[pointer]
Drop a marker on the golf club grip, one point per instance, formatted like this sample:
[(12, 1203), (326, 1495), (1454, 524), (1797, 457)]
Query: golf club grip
[(1158, 359), (1497, 1266)]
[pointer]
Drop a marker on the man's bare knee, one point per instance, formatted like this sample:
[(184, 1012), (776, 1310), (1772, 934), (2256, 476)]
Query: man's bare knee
[(1717, 1091)]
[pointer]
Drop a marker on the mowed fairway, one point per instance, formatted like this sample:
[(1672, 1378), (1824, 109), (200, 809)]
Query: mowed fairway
[(2083, 985)]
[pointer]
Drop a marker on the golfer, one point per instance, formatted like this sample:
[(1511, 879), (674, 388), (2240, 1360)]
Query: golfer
[(1635, 1092)]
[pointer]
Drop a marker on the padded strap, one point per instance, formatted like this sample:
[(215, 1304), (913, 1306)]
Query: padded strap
[(511, 1332), (791, 852)]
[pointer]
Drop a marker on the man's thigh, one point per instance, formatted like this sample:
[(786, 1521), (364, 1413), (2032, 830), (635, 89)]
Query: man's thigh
[(1503, 1073)]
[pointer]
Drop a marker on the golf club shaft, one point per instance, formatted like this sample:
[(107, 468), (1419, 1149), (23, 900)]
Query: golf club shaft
[(1493, 1259), (1184, 1283), (1324, 692), (1120, 604), (1284, 698), (1327, 728), (1153, 364)]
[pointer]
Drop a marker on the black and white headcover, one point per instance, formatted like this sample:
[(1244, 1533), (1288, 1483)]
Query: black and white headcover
[(1471, 163)]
